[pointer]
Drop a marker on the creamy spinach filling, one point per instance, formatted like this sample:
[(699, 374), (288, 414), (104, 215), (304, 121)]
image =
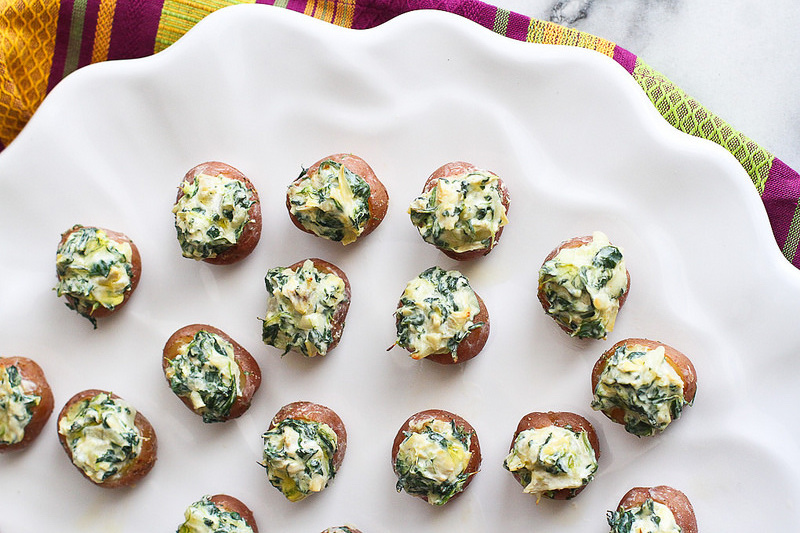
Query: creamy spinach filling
[(650, 517), (204, 516), (16, 405), (93, 269), (583, 286), (298, 457), (332, 202), (461, 213), (432, 460), (206, 372), (300, 307), (642, 383), (436, 312), (552, 458), (211, 215), (340, 529), (102, 435)]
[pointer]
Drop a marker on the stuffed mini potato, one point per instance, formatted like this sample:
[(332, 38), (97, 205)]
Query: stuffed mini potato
[(660, 509), (643, 385), (462, 210), (338, 198), (212, 374), (220, 512), (304, 448), (441, 318), (553, 454), (307, 304), (97, 270), (107, 439), (217, 214), (583, 284), (435, 456), (26, 402)]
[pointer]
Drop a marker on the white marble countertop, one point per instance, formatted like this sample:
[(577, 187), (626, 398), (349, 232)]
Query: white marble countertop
[(739, 58)]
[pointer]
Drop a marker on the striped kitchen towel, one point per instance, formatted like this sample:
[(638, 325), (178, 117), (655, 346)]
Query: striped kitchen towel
[(42, 41)]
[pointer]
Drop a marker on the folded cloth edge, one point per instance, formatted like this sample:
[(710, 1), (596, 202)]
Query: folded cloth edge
[(46, 40)]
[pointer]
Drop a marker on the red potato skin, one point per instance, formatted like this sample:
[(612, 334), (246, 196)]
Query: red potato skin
[(340, 314), (228, 503), (379, 196), (576, 242), (682, 365), (676, 500), (29, 370), (140, 467), (136, 269), (251, 234), (250, 371), (439, 414), (563, 419), (455, 169), (313, 412)]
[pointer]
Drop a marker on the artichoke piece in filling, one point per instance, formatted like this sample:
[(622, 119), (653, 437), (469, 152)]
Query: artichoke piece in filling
[(332, 203), (436, 313), (102, 435), (205, 517), (300, 308), (552, 458), (650, 517), (211, 215), (16, 405), (584, 285), (93, 269), (460, 213), (432, 460), (641, 382), (298, 457), (205, 370)]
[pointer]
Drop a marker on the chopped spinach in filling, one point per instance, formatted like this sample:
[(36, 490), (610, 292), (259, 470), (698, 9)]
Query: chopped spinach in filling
[(16, 405), (206, 372), (461, 213), (204, 516), (93, 269), (300, 308), (298, 457), (332, 203), (211, 215), (340, 529), (642, 383), (583, 286), (552, 458), (102, 435), (432, 460), (650, 517), (436, 312)]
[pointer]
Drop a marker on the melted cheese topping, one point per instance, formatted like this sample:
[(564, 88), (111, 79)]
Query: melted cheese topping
[(16, 403), (432, 460), (650, 517), (645, 385), (552, 458), (298, 457), (211, 215), (300, 308), (584, 285), (102, 436), (205, 517), (461, 213), (205, 371), (332, 202), (437, 311), (93, 269)]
